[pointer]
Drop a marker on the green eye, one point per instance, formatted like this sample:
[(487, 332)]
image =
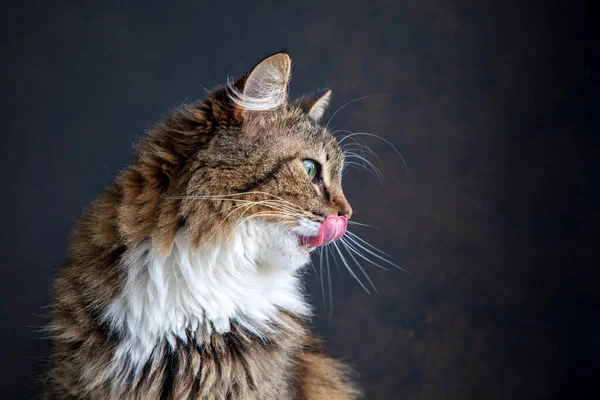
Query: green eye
[(311, 169)]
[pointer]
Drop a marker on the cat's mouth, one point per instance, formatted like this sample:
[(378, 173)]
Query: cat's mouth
[(331, 229)]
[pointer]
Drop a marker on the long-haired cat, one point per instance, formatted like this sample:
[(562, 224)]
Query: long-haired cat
[(182, 279)]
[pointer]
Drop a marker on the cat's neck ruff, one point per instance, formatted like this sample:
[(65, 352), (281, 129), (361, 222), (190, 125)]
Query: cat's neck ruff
[(245, 280)]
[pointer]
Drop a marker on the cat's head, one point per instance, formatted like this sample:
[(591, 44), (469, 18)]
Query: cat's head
[(263, 159)]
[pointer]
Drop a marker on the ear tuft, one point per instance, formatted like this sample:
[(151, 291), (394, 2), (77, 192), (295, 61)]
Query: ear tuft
[(315, 104), (265, 87)]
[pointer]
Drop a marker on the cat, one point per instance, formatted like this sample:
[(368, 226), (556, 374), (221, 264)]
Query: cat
[(182, 280)]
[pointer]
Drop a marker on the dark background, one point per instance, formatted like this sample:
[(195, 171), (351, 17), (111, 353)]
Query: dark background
[(493, 216)]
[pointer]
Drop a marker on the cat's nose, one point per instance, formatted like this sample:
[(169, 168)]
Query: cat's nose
[(346, 212), (344, 208)]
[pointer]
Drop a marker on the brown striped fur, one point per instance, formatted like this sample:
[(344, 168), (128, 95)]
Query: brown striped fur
[(212, 147)]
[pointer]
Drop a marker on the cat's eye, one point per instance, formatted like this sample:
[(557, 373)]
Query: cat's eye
[(311, 169)]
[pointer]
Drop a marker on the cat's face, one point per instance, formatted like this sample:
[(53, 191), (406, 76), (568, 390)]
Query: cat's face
[(276, 166)]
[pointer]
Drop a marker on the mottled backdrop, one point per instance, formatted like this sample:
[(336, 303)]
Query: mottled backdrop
[(493, 216)]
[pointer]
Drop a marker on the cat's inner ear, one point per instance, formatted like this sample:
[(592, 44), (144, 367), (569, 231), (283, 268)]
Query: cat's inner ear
[(265, 88), (315, 104)]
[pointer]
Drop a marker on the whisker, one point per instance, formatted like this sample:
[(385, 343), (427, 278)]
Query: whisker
[(350, 150), (376, 255), (281, 216), (360, 267), (364, 145), (330, 286), (350, 146), (320, 251), (245, 205), (361, 224), (348, 268), (249, 205), (377, 137), (356, 237), (228, 196), (312, 265), (241, 219), (354, 165), (362, 255), (355, 142), (269, 203), (321, 278), (376, 171), (335, 262), (348, 154)]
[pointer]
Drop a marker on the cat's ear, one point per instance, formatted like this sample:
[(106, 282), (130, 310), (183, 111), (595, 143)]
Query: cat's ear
[(315, 104), (265, 87)]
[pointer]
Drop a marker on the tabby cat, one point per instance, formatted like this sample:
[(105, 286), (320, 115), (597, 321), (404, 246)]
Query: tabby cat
[(182, 279)]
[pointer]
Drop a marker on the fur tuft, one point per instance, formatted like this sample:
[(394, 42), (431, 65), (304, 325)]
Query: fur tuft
[(191, 293)]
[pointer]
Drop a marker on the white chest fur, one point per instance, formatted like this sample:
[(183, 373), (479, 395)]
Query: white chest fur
[(246, 280)]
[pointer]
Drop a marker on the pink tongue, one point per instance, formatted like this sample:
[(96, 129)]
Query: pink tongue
[(331, 229)]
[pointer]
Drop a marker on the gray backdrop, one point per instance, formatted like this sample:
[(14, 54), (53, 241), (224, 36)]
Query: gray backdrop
[(493, 216)]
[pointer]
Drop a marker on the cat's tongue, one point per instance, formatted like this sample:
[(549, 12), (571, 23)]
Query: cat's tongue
[(331, 229)]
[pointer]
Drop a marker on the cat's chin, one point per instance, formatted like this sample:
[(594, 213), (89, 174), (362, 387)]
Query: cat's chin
[(308, 249), (304, 230), (278, 246)]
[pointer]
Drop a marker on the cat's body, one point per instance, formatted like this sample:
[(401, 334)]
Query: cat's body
[(182, 280)]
